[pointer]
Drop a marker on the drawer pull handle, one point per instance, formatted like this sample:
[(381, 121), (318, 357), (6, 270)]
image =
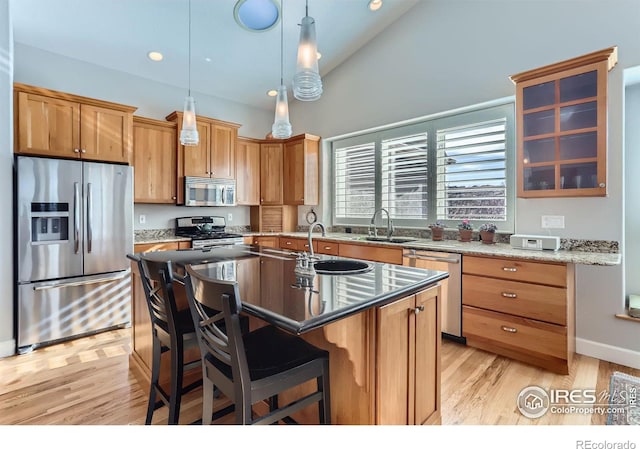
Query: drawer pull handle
[(509, 295), (418, 309), (327, 247), (512, 330), (510, 269), (288, 243)]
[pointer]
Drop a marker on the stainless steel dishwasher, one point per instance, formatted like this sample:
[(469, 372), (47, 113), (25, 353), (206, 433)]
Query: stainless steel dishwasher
[(451, 287)]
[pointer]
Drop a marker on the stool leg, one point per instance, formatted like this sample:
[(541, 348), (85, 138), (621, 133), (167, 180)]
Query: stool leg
[(324, 406), (155, 376), (177, 357), (207, 399)]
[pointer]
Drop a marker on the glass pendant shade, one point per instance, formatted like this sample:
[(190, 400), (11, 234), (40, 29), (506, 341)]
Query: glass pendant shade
[(189, 132), (307, 85), (281, 128)]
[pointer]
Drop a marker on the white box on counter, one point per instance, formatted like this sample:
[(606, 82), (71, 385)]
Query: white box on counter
[(535, 242)]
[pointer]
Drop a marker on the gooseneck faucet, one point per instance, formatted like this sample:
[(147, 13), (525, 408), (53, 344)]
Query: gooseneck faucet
[(324, 234), (389, 223)]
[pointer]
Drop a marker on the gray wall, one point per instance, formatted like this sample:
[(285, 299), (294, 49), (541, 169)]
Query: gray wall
[(446, 55), (7, 343), (632, 188)]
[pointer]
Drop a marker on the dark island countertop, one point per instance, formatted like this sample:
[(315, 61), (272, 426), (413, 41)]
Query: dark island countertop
[(271, 289)]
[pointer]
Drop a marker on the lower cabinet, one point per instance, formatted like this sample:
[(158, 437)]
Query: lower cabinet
[(520, 309), (370, 252), (270, 241), (384, 363), (141, 354)]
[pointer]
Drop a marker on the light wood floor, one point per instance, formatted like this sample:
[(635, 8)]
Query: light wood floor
[(87, 381)]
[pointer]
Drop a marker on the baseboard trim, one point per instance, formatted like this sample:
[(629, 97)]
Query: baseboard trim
[(609, 353), (7, 348)]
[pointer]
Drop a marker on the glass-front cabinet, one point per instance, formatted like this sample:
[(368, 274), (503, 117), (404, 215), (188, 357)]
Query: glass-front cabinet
[(562, 127)]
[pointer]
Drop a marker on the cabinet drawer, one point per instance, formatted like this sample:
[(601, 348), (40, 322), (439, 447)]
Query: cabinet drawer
[(370, 252), (516, 270), (528, 337), (289, 243), (325, 247), (164, 246), (539, 302)]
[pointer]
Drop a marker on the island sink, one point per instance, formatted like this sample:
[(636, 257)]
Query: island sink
[(341, 267)]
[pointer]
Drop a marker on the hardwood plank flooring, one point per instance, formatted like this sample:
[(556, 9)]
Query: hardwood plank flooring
[(87, 381)]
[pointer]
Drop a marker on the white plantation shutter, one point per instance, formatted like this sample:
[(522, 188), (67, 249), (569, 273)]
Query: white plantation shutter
[(404, 176), (472, 172), (354, 169)]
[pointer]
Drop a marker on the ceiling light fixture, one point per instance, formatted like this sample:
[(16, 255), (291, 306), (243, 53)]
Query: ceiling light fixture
[(189, 133), (375, 5), (272, 92), (307, 84), (155, 56), (256, 15), (281, 128)]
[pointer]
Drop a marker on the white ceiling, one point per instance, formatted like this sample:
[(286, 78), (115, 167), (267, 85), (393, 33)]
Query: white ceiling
[(243, 65)]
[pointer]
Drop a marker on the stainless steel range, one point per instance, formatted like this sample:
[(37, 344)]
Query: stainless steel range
[(206, 232)]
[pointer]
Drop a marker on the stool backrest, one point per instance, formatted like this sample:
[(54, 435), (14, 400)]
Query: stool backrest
[(224, 343)]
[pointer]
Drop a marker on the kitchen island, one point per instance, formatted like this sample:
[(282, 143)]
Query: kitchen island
[(381, 327)]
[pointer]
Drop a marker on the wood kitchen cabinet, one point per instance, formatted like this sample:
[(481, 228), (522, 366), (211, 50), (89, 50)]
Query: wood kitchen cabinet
[(57, 124), (213, 157), (271, 173), (273, 218), (301, 170), (408, 360), (371, 252), (142, 353), (154, 161), (520, 309), (262, 240), (297, 244), (561, 116), (248, 172)]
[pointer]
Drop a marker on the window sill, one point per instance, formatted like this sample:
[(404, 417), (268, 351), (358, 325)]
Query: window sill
[(623, 316)]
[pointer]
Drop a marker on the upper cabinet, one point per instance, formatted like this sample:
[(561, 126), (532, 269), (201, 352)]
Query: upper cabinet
[(58, 124), (562, 127), (248, 172), (213, 157), (271, 163), (301, 170), (154, 161)]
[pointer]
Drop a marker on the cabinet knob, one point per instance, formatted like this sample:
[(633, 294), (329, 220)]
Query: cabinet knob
[(511, 330), (602, 184), (509, 295), (173, 198), (83, 150), (418, 309), (76, 150)]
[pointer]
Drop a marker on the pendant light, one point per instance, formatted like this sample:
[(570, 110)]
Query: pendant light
[(281, 128), (189, 133), (307, 85)]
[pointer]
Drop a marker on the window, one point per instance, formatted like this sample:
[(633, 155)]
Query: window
[(449, 168)]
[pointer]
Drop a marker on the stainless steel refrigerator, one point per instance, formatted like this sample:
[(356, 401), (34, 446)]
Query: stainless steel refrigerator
[(74, 226)]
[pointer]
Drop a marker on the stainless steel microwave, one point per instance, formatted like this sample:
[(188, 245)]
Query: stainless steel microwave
[(209, 192)]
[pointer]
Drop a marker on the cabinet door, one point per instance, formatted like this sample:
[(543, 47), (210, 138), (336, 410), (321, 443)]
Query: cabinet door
[(197, 157), (394, 352), (271, 155), (293, 169), (427, 356), (154, 161), (105, 134), (247, 173), (223, 152), (47, 126)]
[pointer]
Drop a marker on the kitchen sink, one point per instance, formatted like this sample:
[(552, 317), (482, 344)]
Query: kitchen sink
[(389, 240), (341, 266)]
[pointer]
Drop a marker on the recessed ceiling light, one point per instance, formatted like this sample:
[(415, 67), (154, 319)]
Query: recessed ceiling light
[(272, 92), (207, 59), (375, 5), (318, 54), (257, 15), (155, 56)]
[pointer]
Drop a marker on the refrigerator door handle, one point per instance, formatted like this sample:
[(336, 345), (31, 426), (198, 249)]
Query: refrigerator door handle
[(89, 215), (113, 277), (76, 216)]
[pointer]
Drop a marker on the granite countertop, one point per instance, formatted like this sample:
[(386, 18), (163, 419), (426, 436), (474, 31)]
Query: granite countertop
[(583, 252)]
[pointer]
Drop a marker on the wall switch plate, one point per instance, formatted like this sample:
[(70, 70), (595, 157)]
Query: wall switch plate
[(552, 222), (142, 218), (229, 217)]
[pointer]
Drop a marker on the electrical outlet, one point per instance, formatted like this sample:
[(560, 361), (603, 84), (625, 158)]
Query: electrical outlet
[(142, 218), (229, 217), (552, 222)]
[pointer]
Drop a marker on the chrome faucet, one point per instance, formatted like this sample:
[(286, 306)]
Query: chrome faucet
[(324, 234), (373, 223)]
